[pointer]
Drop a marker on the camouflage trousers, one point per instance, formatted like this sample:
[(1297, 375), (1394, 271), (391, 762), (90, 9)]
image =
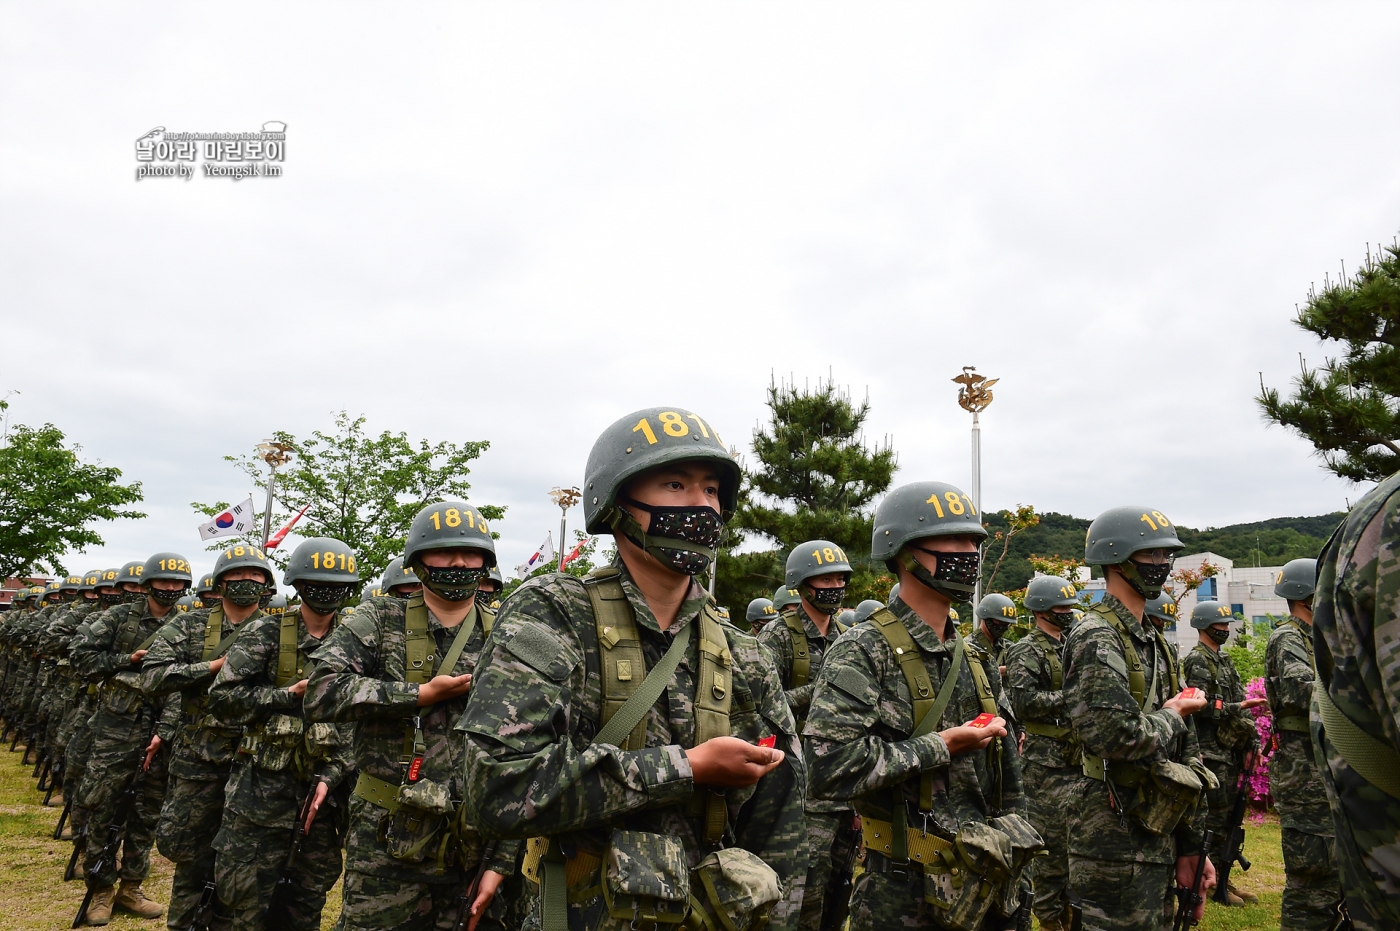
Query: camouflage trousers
[(118, 750), (881, 901), (1051, 796), (250, 860), (830, 842), (379, 903), (75, 757), (1312, 886), (1220, 801), (189, 821), (1121, 896)]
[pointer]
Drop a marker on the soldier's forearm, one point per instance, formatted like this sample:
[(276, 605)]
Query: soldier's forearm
[(848, 770)]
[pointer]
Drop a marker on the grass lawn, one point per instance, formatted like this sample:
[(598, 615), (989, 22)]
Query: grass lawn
[(33, 896)]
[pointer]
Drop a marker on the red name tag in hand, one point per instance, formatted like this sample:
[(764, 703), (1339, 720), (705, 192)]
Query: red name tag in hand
[(982, 720), (769, 742), (1190, 692)]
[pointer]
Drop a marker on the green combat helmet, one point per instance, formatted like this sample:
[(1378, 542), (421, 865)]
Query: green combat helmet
[(243, 592), (204, 591), (759, 612), (52, 594), (785, 597), (846, 618), (130, 574), (495, 577), (1297, 580), (399, 580), (372, 590), (108, 594), (1209, 613), (1047, 592), (185, 603), (684, 538), (169, 567), (814, 558), (1161, 610), (1118, 533), (997, 608), (322, 570), (277, 604), (912, 514), (863, 610), (444, 526), (90, 580)]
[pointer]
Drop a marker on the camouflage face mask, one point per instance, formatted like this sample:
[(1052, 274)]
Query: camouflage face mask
[(825, 600), (56, 598), (1059, 619), (1221, 637), (451, 583), (1146, 578), (167, 597), (243, 592), (135, 597), (997, 629), (696, 527), (954, 575), (109, 598), (323, 597)]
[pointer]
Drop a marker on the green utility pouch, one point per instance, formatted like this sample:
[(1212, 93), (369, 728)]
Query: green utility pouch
[(1170, 792), (645, 879), (120, 700), (981, 865), (423, 815), (1234, 731), (732, 890), (273, 745), (1026, 842)]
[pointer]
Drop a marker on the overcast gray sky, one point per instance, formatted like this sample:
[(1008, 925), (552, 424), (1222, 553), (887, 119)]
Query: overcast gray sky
[(518, 222)]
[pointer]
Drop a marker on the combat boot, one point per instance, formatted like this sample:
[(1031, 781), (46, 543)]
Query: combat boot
[(130, 898), (1246, 898), (100, 908)]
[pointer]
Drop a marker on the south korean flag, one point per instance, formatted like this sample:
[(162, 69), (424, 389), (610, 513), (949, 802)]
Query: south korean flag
[(233, 522)]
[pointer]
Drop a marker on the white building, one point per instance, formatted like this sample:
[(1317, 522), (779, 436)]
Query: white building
[(1248, 590)]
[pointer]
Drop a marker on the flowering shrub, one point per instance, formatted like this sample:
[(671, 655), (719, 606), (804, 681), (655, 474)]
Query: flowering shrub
[(1258, 786)]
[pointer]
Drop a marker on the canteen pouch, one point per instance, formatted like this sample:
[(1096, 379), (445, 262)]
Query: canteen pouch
[(981, 866), (645, 879), (1234, 731), (275, 743), (1170, 792), (425, 809), (1026, 842), (733, 890)]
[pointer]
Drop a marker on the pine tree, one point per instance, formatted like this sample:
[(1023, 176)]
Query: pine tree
[(816, 479)]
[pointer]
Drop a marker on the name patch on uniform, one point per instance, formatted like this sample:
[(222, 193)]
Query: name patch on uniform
[(1114, 661), (539, 649), (854, 684)]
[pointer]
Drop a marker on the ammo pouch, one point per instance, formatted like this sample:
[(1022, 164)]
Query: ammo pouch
[(423, 815), (645, 879), (1170, 792), (978, 868), (273, 745), (732, 889), (119, 699), (1233, 731)]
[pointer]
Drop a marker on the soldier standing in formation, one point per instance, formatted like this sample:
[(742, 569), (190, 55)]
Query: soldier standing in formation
[(185, 658), (1312, 887), (1130, 834), (640, 742), (1050, 759), (1224, 729), (995, 615), (286, 771), (759, 612), (903, 724), (798, 641)]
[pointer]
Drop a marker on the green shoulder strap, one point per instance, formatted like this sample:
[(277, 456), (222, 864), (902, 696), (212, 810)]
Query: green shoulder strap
[(801, 672), (1137, 680), (619, 726), (289, 661), (1051, 651), (1306, 631), (1376, 762), (214, 646), (623, 665), (418, 646)]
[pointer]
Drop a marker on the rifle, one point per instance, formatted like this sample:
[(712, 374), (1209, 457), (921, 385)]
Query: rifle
[(117, 826), (468, 895), (1188, 899), (204, 911), (79, 845), (1023, 911), (15, 743), (45, 771), (55, 773), (31, 742), (63, 815), (837, 907), (1234, 843), (279, 904)]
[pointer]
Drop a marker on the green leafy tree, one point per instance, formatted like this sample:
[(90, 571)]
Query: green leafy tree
[(358, 488), (49, 500), (1349, 408), (816, 479)]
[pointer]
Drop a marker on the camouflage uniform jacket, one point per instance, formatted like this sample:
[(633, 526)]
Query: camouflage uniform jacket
[(245, 692), (1109, 724), (1294, 779), (1224, 729), (532, 769), (1034, 699), (357, 676), (1356, 630), (996, 651), (57, 635), (96, 659), (205, 744), (857, 735)]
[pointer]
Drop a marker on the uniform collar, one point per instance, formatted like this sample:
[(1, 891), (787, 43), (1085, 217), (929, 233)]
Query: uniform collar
[(923, 634), (1137, 628), (690, 607), (810, 626)]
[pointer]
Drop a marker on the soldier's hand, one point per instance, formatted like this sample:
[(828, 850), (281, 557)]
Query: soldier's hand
[(151, 750), (485, 892), (731, 763), (1184, 706), (964, 739), (443, 688), (322, 790), (1186, 875), (138, 656), (298, 688), (216, 665), (1253, 703)]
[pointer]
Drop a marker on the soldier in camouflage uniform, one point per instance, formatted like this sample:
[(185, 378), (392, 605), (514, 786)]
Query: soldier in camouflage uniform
[(1225, 729), (759, 612), (64, 693), (671, 792), (400, 670), (287, 771), (184, 659), (128, 731), (1050, 760), (995, 614), (940, 800), (39, 667), (1312, 886), (798, 641), (1128, 839), (399, 580), (1355, 631)]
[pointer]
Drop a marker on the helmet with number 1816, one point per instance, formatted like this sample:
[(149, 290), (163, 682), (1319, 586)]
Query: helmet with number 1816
[(323, 571)]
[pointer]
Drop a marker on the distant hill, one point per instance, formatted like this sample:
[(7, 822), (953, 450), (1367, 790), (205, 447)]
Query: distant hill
[(1269, 542)]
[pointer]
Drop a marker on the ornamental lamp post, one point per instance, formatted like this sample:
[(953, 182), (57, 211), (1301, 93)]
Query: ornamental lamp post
[(975, 396), (565, 498), (274, 454)]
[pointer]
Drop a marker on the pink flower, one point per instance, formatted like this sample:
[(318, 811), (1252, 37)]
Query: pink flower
[(1258, 787)]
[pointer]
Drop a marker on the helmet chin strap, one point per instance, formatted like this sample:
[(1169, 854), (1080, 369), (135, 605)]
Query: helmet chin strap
[(624, 524), (953, 591)]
